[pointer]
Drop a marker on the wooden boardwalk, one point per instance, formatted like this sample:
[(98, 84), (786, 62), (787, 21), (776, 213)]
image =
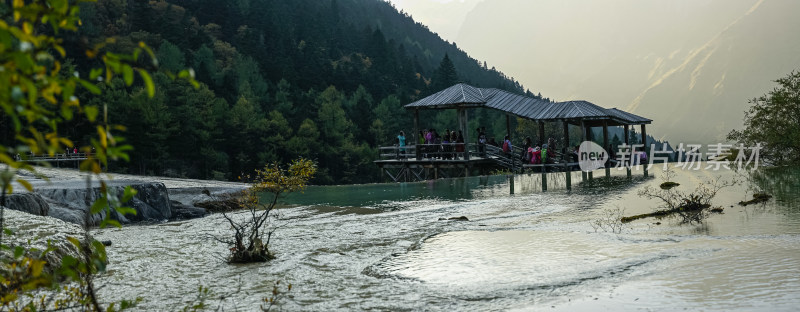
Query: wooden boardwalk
[(55, 158), (435, 161)]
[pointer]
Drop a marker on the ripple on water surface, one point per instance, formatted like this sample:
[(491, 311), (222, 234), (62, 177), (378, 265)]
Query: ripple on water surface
[(750, 273), (481, 260)]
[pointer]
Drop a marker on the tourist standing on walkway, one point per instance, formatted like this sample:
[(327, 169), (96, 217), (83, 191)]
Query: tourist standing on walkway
[(525, 154), (507, 147), (460, 141), (482, 141), (551, 150), (401, 141), (446, 144)]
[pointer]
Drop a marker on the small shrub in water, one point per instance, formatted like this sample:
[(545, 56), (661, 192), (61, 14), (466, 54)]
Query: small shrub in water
[(249, 243)]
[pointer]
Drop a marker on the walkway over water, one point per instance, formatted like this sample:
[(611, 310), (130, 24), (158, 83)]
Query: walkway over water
[(55, 158), (401, 164)]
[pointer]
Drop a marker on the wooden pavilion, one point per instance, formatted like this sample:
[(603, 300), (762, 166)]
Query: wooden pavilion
[(409, 163)]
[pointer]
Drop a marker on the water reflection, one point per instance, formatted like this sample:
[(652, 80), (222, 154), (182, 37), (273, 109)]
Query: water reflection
[(390, 196), (783, 183), (372, 195)]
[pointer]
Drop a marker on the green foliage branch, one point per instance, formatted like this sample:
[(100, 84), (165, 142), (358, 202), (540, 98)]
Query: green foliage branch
[(37, 95), (773, 121)]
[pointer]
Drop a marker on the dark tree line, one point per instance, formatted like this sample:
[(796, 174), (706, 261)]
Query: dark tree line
[(323, 79)]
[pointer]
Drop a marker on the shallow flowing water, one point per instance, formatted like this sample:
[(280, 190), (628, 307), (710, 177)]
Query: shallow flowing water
[(383, 247)]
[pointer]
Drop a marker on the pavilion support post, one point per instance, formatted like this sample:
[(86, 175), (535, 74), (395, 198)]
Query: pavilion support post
[(605, 145), (417, 149), (584, 176), (644, 142), (460, 118), (587, 136), (565, 156), (463, 122), (628, 159), (541, 133), (544, 178)]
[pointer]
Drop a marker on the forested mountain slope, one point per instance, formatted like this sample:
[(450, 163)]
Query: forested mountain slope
[(322, 79)]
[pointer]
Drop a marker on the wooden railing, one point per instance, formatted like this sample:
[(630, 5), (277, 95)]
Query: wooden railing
[(501, 158), (513, 162), (54, 157), (445, 151), (475, 152), (397, 152)]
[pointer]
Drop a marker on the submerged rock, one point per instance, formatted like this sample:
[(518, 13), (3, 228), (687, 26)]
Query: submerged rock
[(221, 203), (28, 202), (461, 218), (183, 212), (757, 198), (71, 203), (668, 185)]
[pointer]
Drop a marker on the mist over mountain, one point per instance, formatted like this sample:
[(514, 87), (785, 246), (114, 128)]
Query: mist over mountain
[(689, 65)]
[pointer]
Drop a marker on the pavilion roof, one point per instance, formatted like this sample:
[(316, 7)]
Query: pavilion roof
[(466, 96)]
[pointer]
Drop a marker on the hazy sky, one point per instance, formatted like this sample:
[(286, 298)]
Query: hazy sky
[(441, 16), (690, 65)]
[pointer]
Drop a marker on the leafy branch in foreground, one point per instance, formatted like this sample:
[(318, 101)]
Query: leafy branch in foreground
[(39, 92), (248, 243), (28, 282)]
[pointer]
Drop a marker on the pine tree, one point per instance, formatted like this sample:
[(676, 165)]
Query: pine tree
[(633, 138), (615, 142), (445, 75)]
